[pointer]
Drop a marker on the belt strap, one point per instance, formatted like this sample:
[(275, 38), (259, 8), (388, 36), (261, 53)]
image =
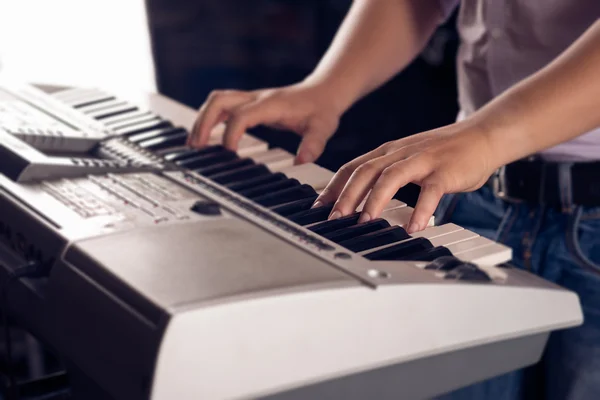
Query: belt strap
[(552, 184)]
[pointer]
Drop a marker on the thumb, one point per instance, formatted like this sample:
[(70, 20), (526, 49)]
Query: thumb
[(311, 147)]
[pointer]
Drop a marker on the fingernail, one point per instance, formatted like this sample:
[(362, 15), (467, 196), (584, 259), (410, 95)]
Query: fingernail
[(317, 203), (414, 227), (364, 217), (335, 215)]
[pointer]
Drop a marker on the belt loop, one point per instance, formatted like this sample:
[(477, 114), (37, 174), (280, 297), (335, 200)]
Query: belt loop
[(565, 185)]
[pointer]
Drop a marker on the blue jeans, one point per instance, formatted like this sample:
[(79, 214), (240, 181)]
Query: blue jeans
[(562, 247)]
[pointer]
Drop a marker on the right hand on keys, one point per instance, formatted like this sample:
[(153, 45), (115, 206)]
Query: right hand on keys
[(301, 108)]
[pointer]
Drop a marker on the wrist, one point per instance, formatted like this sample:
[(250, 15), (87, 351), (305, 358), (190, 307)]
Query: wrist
[(332, 91), (506, 133)]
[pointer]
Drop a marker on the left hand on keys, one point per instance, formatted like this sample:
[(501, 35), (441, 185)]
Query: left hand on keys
[(455, 158)]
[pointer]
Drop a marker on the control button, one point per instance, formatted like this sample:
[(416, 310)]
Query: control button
[(205, 207), (342, 256), (322, 245), (468, 272), (375, 273), (446, 263)]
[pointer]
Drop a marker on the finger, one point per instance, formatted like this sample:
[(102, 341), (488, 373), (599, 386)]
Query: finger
[(215, 110), (391, 179), (338, 182), (429, 198), (358, 186), (246, 117), (222, 118), (312, 146), (361, 182)]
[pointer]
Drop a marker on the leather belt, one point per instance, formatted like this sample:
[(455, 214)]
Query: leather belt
[(553, 184)]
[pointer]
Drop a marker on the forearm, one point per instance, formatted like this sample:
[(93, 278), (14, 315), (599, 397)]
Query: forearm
[(377, 39), (559, 103)]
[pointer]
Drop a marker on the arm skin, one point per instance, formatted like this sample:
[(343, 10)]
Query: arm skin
[(558, 103), (377, 39)]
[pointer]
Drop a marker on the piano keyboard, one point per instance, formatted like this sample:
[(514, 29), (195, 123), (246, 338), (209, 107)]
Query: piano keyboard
[(212, 267), (268, 178)]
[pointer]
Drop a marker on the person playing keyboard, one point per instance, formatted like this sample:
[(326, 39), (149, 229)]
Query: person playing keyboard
[(520, 166)]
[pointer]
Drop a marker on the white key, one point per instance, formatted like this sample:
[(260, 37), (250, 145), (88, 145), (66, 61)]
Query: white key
[(276, 159), (117, 108), (310, 174), (400, 216), (136, 123), (389, 206), (467, 246), (86, 97), (454, 238), (67, 94), (458, 248), (436, 231), (392, 204), (248, 144), (120, 120), (362, 204), (92, 108), (437, 235), (481, 251)]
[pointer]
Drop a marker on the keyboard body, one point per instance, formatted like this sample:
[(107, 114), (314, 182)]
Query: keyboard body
[(163, 283)]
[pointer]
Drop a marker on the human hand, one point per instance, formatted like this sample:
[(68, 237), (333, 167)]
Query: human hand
[(455, 158), (304, 109)]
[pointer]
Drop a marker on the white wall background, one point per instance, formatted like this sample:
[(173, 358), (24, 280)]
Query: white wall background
[(101, 43)]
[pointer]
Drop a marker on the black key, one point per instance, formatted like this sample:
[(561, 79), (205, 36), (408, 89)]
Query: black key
[(428, 255), (185, 153), (444, 263), (286, 196), (311, 216), (248, 172), (145, 126), (178, 155), (111, 112), (267, 188), (371, 240), (468, 272), (400, 250), (93, 109), (154, 133), (357, 230), (206, 160), (92, 100), (243, 184), (336, 224), (177, 138), (294, 207), (128, 120), (224, 167), (136, 116)]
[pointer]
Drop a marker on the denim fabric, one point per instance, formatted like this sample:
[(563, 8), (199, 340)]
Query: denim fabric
[(562, 246)]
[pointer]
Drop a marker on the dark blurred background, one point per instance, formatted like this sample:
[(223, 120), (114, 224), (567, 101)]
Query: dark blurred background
[(199, 46)]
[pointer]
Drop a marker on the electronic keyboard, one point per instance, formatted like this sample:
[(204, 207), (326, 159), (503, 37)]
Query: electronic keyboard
[(173, 272)]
